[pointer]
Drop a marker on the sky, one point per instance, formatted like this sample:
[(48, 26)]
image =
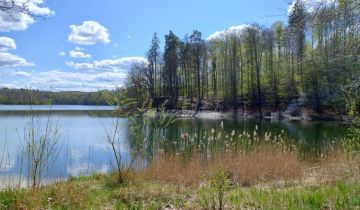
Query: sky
[(88, 45)]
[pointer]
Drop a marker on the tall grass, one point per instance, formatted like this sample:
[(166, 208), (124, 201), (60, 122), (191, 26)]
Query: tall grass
[(247, 159), (262, 165)]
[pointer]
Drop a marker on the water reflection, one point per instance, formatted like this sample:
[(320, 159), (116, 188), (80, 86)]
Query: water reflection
[(83, 148)]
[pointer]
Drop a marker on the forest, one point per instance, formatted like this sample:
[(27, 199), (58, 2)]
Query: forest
[(313, 57), (27, 96)]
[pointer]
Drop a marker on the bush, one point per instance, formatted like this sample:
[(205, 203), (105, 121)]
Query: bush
[(214, 191), (351, 143)]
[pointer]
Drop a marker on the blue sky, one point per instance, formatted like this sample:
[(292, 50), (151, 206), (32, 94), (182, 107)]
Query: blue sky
[(90, 44)]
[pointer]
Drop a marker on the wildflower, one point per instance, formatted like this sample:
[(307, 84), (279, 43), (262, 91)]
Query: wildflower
[(256, 127), (232, 132), (222, 124), (212, 131), (267, 136)]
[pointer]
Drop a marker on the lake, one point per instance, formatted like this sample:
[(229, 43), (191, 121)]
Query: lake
[(83, 149)]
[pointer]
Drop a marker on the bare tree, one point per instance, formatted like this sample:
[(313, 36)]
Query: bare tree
[(16, 7)]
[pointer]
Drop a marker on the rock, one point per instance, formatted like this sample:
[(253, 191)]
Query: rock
[(168, 207)]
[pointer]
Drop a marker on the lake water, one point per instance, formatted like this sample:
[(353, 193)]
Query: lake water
[(83, 148)]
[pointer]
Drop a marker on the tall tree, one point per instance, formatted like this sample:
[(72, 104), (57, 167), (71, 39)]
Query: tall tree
[(297, 25), (152, 56), (171, 66), (197, 52)]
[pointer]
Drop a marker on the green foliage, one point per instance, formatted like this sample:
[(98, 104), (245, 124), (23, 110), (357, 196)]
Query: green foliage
[(212, 194), (315, 200), (21, 96), (312, 58), (351, 143), (9, 199), (342, 195), (131, 206), (164, 120)]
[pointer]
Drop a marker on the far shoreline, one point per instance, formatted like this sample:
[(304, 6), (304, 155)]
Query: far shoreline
[(305, 114)]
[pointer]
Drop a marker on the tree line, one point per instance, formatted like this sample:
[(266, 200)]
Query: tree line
[(314, 57), (27, 96)]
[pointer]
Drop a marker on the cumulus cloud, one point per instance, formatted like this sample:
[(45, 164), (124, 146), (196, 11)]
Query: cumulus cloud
[(7, 59), (76, 81), (21, 21), (100, 75), (6, 44), (108, 64), (88, 33), (78, 53), (231, 30), (62, 53)]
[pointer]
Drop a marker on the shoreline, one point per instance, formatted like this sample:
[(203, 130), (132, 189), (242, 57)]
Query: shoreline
[(273, 116), (301, 114)]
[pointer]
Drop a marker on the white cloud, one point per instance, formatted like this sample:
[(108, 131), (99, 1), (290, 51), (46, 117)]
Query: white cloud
[(7, 43), (21, 21), (108, 64), (231, 30), (105, 74), (88, 33), (78, 53), (62, 53), (7, 59), (20, 74), (77, 81)]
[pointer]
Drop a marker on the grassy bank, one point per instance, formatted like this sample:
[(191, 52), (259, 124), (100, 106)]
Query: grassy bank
[(97, 192), (276, 182)]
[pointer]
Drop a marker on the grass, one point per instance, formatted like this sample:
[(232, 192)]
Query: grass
[(244, 169), (341, 195), (333, 183), (94, 193)]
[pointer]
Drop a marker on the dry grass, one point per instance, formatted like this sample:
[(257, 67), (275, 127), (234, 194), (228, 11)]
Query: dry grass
[(333, 168), (242, 168), (264, 165)]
